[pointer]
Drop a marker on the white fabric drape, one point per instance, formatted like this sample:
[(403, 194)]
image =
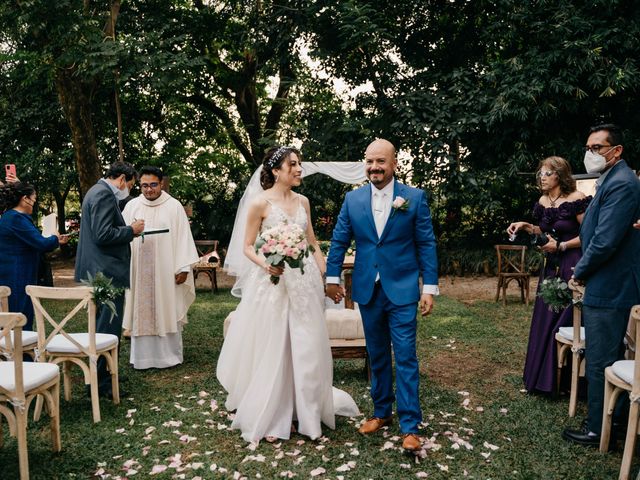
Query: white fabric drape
[(236, 262)]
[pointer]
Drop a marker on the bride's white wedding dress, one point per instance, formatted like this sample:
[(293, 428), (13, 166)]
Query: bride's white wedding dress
[(276, 360)]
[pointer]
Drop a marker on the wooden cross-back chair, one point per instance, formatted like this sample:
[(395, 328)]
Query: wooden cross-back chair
[(570, 341), (623, 376), (209, 261), (82, 349), (512, 265), (20, 383), (29, 339)]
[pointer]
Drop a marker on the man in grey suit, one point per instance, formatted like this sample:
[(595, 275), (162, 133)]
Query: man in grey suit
[(609, 268), (104, 247)]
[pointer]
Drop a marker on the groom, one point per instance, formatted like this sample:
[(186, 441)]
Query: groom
[(395, 246)]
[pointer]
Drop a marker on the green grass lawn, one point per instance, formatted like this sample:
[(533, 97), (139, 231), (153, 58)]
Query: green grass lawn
[(478, 422)]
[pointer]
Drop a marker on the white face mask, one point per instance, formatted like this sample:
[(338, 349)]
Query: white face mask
[(122, 194), (594, 162)]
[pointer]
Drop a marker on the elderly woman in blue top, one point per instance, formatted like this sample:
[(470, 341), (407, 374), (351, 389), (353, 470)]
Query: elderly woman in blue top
[(22, 244)]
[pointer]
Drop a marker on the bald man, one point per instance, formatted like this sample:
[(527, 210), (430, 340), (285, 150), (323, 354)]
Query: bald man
[(395, 247)]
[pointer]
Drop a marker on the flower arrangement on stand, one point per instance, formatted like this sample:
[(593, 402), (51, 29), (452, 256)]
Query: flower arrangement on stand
[(104, 292)]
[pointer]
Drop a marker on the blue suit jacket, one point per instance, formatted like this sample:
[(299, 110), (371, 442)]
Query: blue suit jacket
[(406, 249), (610, 263), (104, 238)]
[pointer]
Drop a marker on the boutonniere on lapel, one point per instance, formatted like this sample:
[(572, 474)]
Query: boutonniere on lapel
[(399, 205)]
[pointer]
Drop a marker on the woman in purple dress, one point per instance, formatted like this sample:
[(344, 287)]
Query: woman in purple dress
[(558, 214)]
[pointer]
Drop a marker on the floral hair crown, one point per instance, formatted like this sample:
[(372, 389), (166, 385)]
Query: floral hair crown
[(277, 156)]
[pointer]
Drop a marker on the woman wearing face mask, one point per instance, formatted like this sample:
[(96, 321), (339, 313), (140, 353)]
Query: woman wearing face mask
[(22, 244), (559, 211)]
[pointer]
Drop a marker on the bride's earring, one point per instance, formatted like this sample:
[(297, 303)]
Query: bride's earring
[(276, 178)]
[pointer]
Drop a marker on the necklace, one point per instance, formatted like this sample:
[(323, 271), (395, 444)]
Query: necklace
[(552, 201)]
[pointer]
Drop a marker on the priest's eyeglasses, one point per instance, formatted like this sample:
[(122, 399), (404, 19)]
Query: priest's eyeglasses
[(544, 173), (144, 186)]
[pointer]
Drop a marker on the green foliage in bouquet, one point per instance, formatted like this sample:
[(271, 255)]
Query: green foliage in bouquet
[(556, 293), (104, 292)]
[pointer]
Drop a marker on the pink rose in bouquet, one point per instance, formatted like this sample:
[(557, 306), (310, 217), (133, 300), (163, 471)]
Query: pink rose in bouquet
[(284, 243)]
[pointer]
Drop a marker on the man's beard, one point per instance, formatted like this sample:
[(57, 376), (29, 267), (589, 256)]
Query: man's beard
[(379, 179)]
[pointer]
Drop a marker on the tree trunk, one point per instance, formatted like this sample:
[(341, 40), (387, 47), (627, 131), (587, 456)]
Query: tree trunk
[(78, 113), (62, 216)]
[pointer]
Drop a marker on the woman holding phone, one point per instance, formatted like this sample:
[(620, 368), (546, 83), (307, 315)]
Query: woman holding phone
[(22, 245)]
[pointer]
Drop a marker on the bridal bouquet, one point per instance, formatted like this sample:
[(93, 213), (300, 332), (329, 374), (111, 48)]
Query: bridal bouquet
[(556, 293), (284, 243)]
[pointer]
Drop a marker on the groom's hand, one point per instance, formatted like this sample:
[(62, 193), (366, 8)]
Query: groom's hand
[(426, 304), (334, 292)]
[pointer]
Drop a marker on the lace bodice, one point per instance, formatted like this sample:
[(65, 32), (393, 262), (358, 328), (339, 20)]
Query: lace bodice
[(297, 287), (277, 215)]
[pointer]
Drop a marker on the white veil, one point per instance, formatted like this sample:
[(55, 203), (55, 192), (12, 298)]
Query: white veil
[(236, 263)]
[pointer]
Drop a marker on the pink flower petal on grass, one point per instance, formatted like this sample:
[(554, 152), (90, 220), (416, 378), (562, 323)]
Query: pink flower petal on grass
[(346, 467), (317, 471), (158, 469)]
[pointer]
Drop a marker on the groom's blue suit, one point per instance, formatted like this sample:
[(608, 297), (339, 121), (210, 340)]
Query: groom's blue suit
[(404, 251)]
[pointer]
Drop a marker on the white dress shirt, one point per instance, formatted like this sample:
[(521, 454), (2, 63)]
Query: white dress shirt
[(381, 201)]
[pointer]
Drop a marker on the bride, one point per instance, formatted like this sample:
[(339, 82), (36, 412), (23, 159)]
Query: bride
[(276, 361)]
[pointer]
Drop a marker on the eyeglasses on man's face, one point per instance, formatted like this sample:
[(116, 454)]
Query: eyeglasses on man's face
[(595, 148), (145, 186), (544, 173)]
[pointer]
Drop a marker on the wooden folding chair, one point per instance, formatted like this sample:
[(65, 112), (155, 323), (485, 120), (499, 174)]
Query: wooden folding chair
[(20, 383), (82, 349), (29, 338), (512, 265), (209, 261), (623, 375), (571, 340)]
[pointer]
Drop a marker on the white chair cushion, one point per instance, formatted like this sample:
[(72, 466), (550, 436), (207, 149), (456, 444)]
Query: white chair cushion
[(567, 332), (341, 323), (28, 339), (34, 374), (624, 370), (60, 344), (345, 323)]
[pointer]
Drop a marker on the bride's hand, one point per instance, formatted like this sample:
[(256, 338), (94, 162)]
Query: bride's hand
[(272, 270)]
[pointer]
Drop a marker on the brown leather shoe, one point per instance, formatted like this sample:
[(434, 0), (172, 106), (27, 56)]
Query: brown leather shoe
[(411, 442), (374, 424)]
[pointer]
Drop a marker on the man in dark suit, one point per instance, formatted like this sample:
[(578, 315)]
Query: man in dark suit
[(104, 247), (609, 268), (395, 244)]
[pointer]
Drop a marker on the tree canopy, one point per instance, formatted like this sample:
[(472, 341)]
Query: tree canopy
[(473, 93)]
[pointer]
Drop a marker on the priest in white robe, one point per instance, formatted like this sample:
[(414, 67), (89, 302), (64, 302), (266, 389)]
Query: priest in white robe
[(162, 285)]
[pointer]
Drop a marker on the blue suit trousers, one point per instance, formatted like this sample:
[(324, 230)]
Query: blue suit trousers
[(604, 332), (387, 324)]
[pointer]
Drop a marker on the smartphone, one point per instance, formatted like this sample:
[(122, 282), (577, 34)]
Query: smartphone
[(10, 170)]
